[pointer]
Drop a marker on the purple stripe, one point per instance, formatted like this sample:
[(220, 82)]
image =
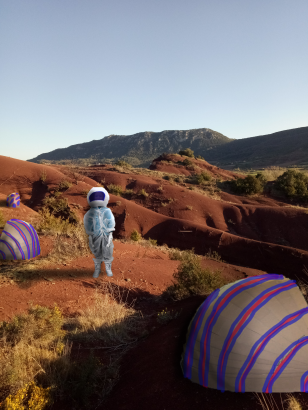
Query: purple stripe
[(10, 248), (16, 242), (218, 307), (28, 227), (189, 352), (261, 343), (21, 233)]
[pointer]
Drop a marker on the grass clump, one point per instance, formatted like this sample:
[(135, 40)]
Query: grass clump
[(43, 176), (248, 186), (192, 279), (187, 163), (32, 354), (2, 220), (189, 207), (122, 163), (115, 189), (294, 184), (214, 256), (129, 192), (64, 184), (187, 152), (135, 236), (165, 316), (152, 241), (143, 193), (199, 157)]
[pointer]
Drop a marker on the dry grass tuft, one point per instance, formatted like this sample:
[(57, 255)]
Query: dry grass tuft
[(109, 319)]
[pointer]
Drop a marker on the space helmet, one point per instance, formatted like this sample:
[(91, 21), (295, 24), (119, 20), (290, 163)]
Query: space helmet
[(98, 197)]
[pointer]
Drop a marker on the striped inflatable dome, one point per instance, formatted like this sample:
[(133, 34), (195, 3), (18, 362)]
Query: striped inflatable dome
[(250, 336), (13, 200), (19, 240)]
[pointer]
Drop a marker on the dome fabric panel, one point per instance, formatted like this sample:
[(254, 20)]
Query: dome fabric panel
[(13, 200), (250, 336), (19, 240)]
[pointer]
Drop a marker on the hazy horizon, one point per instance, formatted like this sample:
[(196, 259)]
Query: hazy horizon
[(74, 71)]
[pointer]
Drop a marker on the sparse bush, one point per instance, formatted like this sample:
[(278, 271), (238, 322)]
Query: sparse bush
[(189, 207), (187, 162), (167, 177), (179, 179), (177, 255), (2, 220), (153, 241), (187, 152), (160, 188), (115, 189), (199, 157), (203, 177), (143, 193), (43, 176), (214, 256), (122, 163), (118, 203), (84, 193), (64, 184), (249, 185), (165, 316), (129, 192), (293, 184), (135, 235), (192, 279), (164, 204)]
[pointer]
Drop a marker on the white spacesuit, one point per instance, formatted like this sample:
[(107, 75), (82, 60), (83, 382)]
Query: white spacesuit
[(99, 223)]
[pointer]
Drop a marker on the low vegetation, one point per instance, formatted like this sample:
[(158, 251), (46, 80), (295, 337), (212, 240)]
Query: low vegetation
[(115, 189), (2, 220), (187, 152), (135, 236), (293, 184), (192, 279), (143, 193), (248, 186), (36, 367), (123, 164)]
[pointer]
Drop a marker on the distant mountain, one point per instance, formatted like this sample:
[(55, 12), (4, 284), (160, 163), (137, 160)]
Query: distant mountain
[(282, 149), (138, 149)]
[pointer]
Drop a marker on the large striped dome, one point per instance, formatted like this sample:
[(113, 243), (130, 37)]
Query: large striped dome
[(19, 240), (250, 336)]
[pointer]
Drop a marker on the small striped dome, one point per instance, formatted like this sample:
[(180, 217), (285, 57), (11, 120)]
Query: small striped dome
[(13, 200), (250, 336), (19, 240)]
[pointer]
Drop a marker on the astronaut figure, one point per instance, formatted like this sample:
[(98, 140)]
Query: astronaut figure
[(99, 224)]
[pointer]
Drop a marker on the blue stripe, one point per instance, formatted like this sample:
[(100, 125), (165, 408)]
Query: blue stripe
[(17, 243), (193, 334), (21, 232), (280, 358), (37, 242), (221, 378), (10, 248), (304, 386), (207, 331), (275, 329), (3, 254)]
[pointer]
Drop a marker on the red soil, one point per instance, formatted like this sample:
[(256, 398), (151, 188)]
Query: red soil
[(255, 239)]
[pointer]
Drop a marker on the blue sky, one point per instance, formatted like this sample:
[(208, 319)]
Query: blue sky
[(72, 71)]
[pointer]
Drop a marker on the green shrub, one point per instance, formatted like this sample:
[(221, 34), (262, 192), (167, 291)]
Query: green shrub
[(249, 185), (199, 157), (192, 279), (135, 236), (129, 192), (167, 177), (203, 177), (187, 152), (115, 189), (293, 184), (165, 316)]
